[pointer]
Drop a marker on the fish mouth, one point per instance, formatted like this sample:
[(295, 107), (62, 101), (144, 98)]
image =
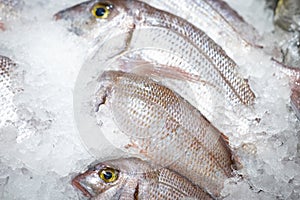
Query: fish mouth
[(70, 23), (64, 14), (73, 17), (79, 182)]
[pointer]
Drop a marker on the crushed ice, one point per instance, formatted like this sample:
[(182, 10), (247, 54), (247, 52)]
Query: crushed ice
[(41, 150)]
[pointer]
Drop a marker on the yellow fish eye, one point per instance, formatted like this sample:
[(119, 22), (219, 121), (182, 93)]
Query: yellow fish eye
[(101, 11), (108, 175)]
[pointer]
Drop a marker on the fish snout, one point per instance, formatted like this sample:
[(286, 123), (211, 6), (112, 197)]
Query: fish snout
[(81, 183), (71, 12), (64, 14), (58, 16)]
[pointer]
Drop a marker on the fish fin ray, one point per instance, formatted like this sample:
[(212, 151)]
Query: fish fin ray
[(158, 71)]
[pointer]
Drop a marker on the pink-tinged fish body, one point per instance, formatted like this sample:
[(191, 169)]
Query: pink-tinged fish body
[(207, 60), (218, 18), (166, 129), (133, 179)]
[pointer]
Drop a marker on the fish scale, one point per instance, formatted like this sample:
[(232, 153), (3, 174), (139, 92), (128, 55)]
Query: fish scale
[(137, 179), (219, 17), (220, 63), (166, 129), (207, 60), (7, 91)]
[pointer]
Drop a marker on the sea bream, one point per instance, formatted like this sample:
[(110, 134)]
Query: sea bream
[(167, 34), (157, 124), (132, 179), (216, 17)]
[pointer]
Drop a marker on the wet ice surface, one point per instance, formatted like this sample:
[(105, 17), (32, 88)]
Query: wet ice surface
[(41, 151)]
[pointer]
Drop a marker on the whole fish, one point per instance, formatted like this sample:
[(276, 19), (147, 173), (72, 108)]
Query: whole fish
[(7, 91), (208, 62), (161, 126), (133, 178)]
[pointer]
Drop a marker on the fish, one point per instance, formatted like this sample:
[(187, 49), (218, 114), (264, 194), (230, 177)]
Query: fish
[(220, 20), (207, 61), (133, 178), (7, 90), (287, 15), (159, 125)]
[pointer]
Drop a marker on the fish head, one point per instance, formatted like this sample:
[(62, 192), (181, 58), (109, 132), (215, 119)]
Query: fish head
[(97, 180), (92, 18), (106, 179)]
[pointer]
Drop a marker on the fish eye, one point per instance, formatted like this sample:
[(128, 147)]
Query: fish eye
[(108, 175), (101, 11)]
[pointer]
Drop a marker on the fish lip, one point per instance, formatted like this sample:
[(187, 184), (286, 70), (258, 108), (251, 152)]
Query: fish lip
[(77, 183)]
